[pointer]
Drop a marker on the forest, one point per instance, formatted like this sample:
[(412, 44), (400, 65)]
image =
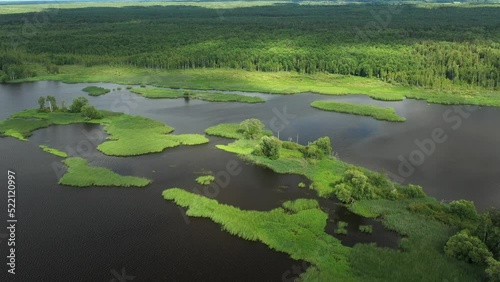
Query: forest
[(437, 47)]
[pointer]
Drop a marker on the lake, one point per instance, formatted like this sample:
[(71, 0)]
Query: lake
[(102, 230)]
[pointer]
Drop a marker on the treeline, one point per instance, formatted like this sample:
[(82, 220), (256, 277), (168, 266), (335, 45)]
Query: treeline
[(428, 47)]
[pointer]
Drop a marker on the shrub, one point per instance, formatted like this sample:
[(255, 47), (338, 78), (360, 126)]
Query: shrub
[(252, 128), (90, 112), (493, 270), (302, 185), (41, 103), (464, 209), (313, 152), (465, 247), (324, 144), (358, 181), (270, 147), (412, 191), (291, 145), (77, 105), (343, 193)]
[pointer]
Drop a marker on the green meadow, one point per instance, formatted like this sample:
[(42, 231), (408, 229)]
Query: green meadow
[(81, 174)]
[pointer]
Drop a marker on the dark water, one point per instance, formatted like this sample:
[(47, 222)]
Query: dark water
[(74, 234)]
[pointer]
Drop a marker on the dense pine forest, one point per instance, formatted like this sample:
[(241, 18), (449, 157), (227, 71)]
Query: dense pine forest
[(439, 47)]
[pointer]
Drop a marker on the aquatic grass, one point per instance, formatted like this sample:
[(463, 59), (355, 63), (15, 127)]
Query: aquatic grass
[(366, 228), (191, 94), (81, 174), (298, 230), (95, 90), (129, 135), (53, 151), (205, 179), (300, 205), (341, 228), (376, 112)]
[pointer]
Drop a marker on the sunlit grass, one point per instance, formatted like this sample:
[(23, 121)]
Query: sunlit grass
[(81, 174), (53, 151), (376, 112)]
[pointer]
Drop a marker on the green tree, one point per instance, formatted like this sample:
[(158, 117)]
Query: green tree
[(41, 103), (53, 102), (465, 247), (252, 128), (270, 147), (313, 152), (89, 111), (78, 103)]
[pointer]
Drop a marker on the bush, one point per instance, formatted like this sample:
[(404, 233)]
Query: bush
[(465, 247), (252, 128), (412, 191), (464, 209), (77, 105), (313, 152), (301, 185), (41, 103), (291, 145), (358, 181), (270, 147), (324, 144), (493, 270), (343, 193), (90, 112)]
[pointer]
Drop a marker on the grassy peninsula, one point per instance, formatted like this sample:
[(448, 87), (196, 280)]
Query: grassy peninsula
[(53, 151)]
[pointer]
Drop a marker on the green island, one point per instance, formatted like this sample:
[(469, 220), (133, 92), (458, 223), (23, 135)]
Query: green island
[(53, 151), (205, 179), (204, 96), (81, 174), (376, 112), (95, 90), (426, 225), (127, 133)]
